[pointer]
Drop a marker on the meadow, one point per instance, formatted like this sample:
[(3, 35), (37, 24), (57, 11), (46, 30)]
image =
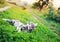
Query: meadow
[(8, 33)]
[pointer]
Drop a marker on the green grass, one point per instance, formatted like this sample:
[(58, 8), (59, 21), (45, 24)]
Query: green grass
[(42, 17), (8, 32)]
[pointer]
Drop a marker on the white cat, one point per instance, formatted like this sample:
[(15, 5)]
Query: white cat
[(20, 26)]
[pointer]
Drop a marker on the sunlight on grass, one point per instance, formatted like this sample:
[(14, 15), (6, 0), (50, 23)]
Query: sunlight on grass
[(40, 34)]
